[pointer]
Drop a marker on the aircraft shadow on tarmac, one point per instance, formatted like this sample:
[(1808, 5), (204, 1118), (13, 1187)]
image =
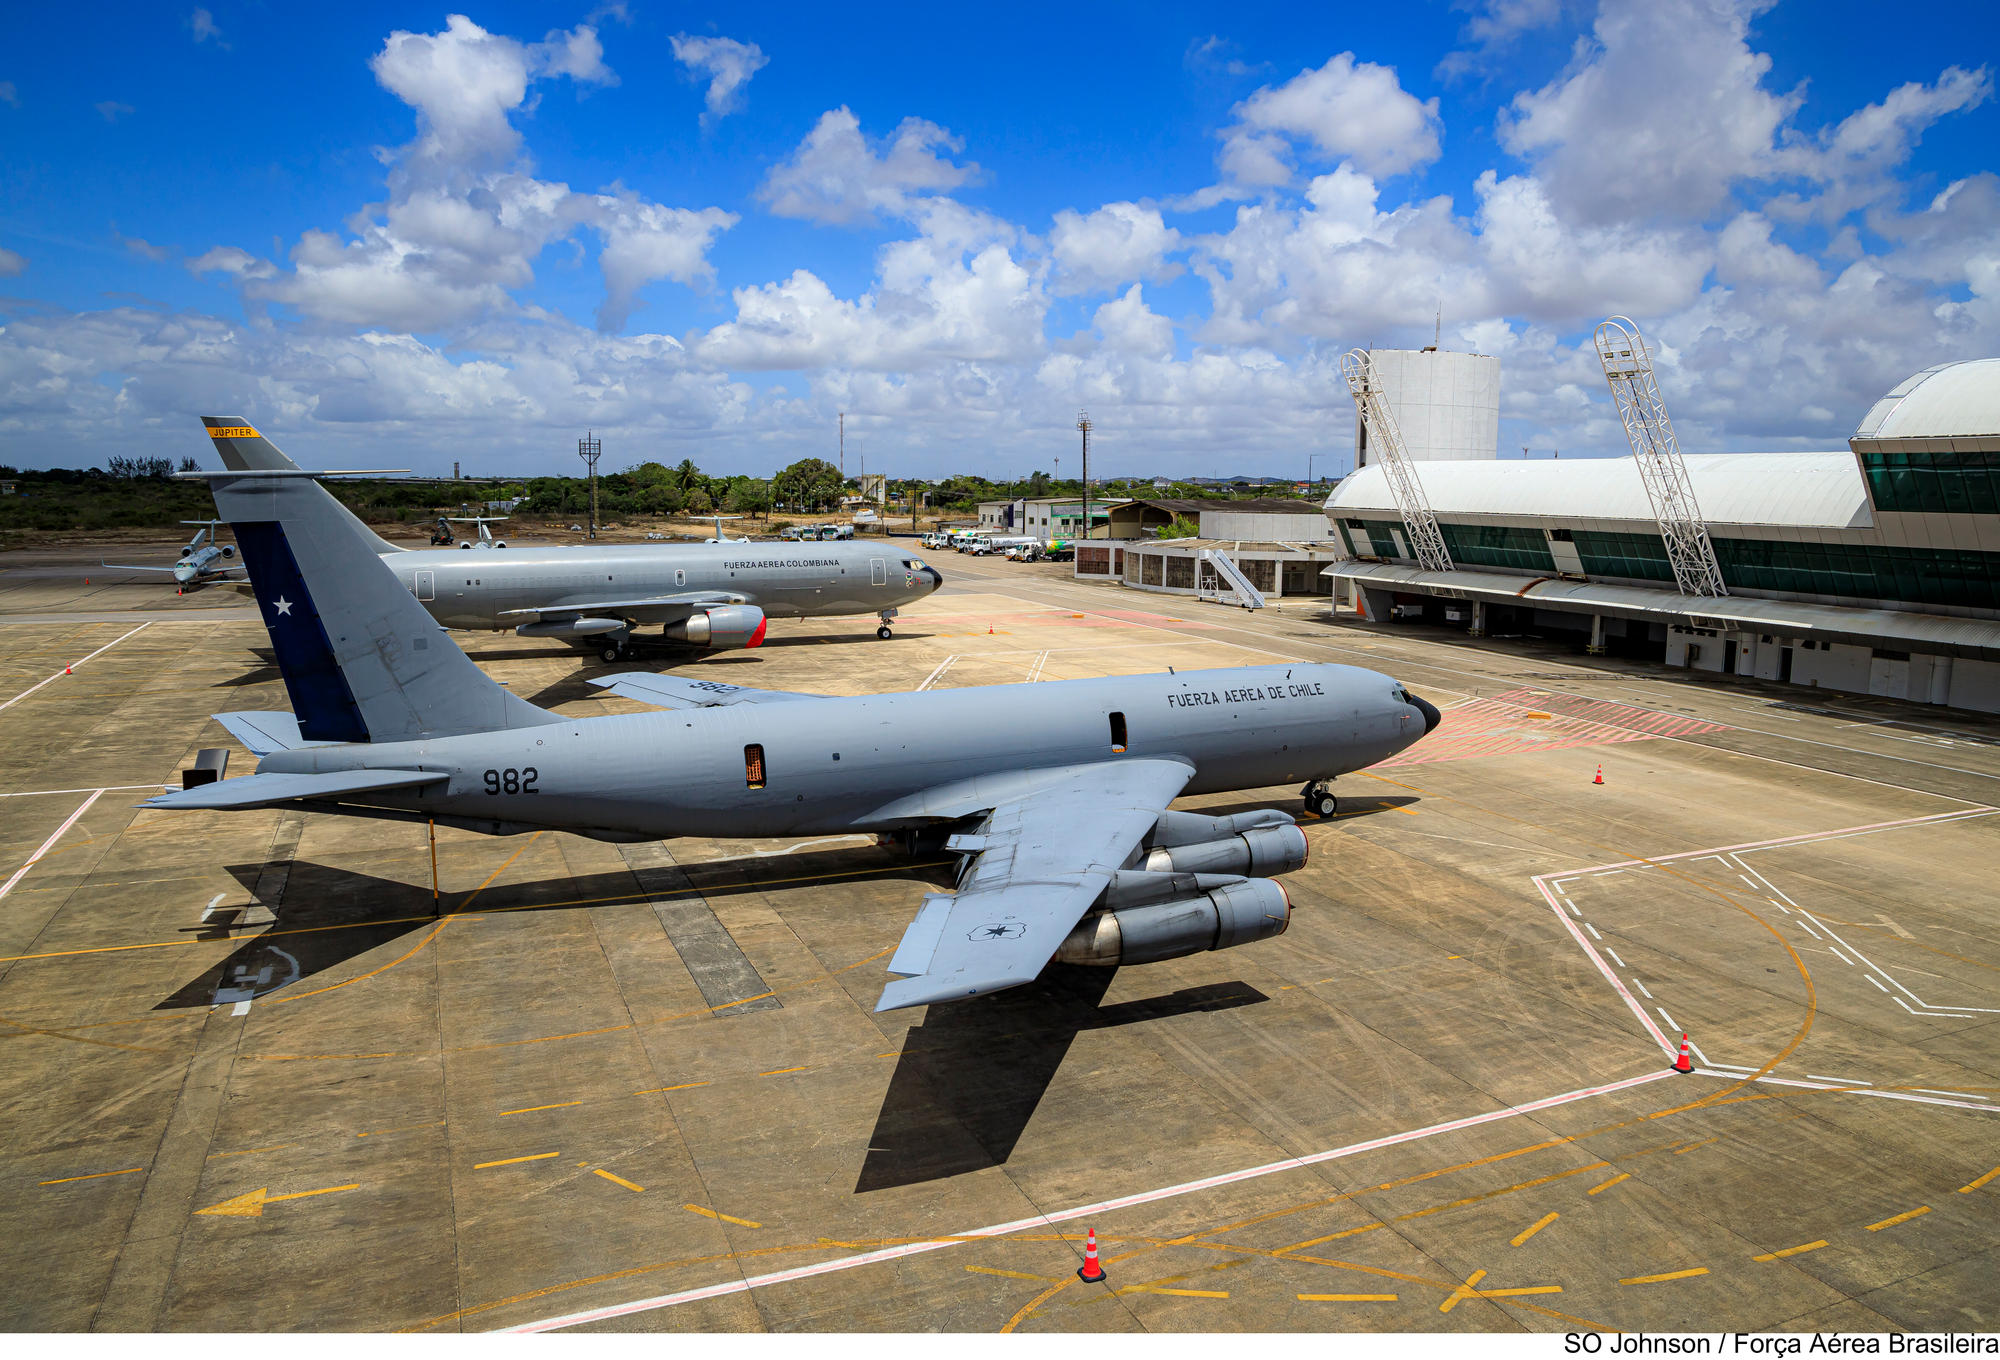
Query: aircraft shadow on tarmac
[(328, 916), (973, 1073)]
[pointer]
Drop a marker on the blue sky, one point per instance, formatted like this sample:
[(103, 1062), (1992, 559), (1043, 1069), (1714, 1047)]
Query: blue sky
[(705, 232)]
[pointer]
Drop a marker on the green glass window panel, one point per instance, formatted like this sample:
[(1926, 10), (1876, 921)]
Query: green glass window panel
[(1933, 483), (1862, 571), (1636, 557), (1497, 545)]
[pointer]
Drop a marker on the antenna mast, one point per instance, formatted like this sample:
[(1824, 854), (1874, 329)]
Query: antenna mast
[(1628, 367), (1083, 423), (588, 448), (1426, 539)]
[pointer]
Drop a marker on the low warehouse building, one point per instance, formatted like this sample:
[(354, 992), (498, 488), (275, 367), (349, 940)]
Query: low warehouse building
[(1281, 545), (1875, 570)]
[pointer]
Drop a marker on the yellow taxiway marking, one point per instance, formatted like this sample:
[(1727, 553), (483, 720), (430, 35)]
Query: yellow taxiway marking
[(1621, 1176), (1463, 1292), (94, 1176), (1790, 1251), (897, 1054), (530, 1109), (248, 1151), (1669, 1275), (620, 1180), (780, 1071), (725, 1218), (1177, 1293), (1968, 1189), (509, 1161), (251, 1205), (1347, 1298), (1470, 1290), (1011, 1274), (1692, 1146), (1532, 1229), (1899, 1218), (684, 1086)]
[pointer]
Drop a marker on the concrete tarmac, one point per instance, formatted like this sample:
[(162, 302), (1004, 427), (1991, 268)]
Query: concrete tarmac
[(259, 1080)]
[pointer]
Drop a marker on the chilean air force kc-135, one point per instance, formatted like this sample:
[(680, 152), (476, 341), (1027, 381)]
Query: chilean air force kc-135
[(1056, 795), (713, 595)]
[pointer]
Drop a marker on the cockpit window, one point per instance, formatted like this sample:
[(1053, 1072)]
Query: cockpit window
[(913, 564)]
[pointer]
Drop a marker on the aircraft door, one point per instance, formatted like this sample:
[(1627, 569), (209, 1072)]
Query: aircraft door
[(878, 572), (426, 586)]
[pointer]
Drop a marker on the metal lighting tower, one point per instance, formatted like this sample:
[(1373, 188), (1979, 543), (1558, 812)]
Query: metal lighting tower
[(1083, 424), (1426, 540), (588, 448), (1629, 369), (843, 448)]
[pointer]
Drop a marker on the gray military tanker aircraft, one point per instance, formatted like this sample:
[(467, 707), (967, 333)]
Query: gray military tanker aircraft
[(713, 595), (1056, 794)]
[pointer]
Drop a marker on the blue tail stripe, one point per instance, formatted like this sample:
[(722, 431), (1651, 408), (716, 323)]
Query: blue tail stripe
[(320, 694)]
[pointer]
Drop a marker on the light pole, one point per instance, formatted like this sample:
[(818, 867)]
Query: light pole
[(1083, 424), (588, 448)]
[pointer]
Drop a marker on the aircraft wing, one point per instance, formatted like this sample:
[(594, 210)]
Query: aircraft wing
[(653, 609), (128, 566), (261, 790), (673, 691), (1043, 858)]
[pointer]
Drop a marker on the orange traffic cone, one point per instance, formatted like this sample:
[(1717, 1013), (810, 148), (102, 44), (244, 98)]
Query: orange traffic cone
[(1600, 775), (1684, 1064), (65, 670), (1090, 1272)]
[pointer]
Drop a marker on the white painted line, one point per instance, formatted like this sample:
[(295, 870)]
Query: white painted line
[(213, 902), (109, 788), (1976, 811), (1572, 909), (1614, 956), (1851, 1081), (1542, 886), (1642, 987), (1878, 1095), (1970, 1095), (1747, 879), (1700, 1056), (240, 1008), (1609, 872), (1810, 931), (1878, 986), (1593, 931), (1732, 1067), (1835, 951), (49, 844), (938, 674), (740, 1286), (72, 665), (1668, 1018)]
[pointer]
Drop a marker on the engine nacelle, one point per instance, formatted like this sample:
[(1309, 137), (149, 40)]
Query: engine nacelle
[(1236, 913), (721, 628), (1259, 852), (228, 550), (569, 628), (1190, 828)]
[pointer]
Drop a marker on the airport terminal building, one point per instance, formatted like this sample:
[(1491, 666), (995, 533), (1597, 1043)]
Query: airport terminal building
[(1872, 570)]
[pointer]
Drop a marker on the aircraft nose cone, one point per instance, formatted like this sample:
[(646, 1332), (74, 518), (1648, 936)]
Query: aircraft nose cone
[(936, 580), (1431, 715), (184, 573)]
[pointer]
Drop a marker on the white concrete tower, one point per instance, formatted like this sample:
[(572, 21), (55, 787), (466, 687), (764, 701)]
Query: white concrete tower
[(1446, 405)]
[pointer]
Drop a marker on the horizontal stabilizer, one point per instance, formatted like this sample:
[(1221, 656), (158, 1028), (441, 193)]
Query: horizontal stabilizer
[(673, 691), (263, 733), (262, 790)]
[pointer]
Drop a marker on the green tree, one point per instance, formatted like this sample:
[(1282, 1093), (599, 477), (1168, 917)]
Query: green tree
[(748, 496), (1181, 527), (809, 484), (688, 477)]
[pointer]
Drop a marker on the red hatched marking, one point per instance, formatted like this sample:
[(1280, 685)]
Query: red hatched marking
[(1500, 727)]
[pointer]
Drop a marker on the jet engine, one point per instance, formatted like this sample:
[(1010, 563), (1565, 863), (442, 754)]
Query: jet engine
[(1259, 851), (721, 628), (228, 550), (569, 628), (1238, 912)]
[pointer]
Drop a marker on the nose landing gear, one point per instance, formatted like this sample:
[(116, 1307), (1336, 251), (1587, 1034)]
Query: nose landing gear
[(884, 632), (1319, 799)]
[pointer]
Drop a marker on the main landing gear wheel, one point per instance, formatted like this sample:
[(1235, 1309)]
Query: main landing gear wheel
[(883, 632), (1320, 801), (611, 651)]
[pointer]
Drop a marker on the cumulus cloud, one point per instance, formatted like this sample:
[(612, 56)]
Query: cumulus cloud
[(835, 177), (1116, 244), (644, 241), (1347, 110), (11, 263), (144, 249), (232, 260), (110, 110), (1495, 26), (728, 64)]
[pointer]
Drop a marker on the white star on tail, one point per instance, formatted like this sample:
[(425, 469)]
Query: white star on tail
[(284, 606)]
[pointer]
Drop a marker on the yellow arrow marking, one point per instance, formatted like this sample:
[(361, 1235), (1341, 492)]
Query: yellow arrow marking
[(710, 1213), (251, 1205)]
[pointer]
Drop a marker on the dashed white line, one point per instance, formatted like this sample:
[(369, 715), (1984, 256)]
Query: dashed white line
[(1835, 951), (1810, 931), (1593, 931), (1642, 987), (1878, 986), (938, 674), (1852, 1081), (1614, 956), (1668, 1018)]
